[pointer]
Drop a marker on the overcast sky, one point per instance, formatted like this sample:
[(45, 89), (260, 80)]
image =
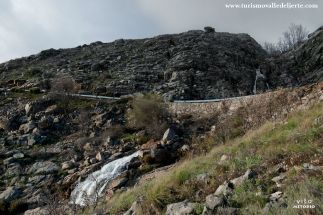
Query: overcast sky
[(29, 26)]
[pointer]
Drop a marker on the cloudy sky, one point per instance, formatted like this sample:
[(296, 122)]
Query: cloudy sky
[(29, 26)]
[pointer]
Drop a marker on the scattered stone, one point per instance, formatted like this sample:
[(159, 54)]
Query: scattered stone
[(227, 211), (185, 148), (274, 197), (100, 156), (117, 183), (212, 201), (27, 128), (45, 122), (37, 211), (18, 155), (36, 179), (278, 179), (204, 177), (51, 109), (168, 135), (224, 189), (9, 161), (67, 165), (10, 194), (46, 167), (181, 208), (308, 166), (238, 181), (135, 209), (27, 108), (223, 159), (318, 121)]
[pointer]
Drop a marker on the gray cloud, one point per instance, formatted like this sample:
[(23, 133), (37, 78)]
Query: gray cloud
[(27, 27)]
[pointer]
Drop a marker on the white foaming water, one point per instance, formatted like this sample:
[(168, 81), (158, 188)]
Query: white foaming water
[(89, 190)]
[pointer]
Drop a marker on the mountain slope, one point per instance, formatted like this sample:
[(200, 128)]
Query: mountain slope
[(190, 65), (299, 66)]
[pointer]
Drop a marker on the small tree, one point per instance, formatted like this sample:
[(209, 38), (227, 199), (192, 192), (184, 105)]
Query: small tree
[(295, 35), (150, 113), (61, 88), (292, 38)]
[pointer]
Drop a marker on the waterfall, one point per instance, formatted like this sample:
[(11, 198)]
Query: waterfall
[(258, 75), (91, 189)]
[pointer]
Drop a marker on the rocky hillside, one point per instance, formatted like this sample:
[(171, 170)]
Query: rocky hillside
[(300, 66), (190, 65), (61, 154)]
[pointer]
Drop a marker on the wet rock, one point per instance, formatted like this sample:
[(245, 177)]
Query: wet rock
[(181, 208), (117, 183), (223, 159), (204, 177)]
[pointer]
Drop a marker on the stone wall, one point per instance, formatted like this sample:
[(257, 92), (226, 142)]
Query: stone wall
[(292, 97)]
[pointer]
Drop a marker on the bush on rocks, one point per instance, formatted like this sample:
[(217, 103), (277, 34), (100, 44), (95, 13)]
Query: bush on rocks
[(149, 112)]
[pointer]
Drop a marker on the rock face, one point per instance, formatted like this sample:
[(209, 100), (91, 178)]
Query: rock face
[(191, 65)]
